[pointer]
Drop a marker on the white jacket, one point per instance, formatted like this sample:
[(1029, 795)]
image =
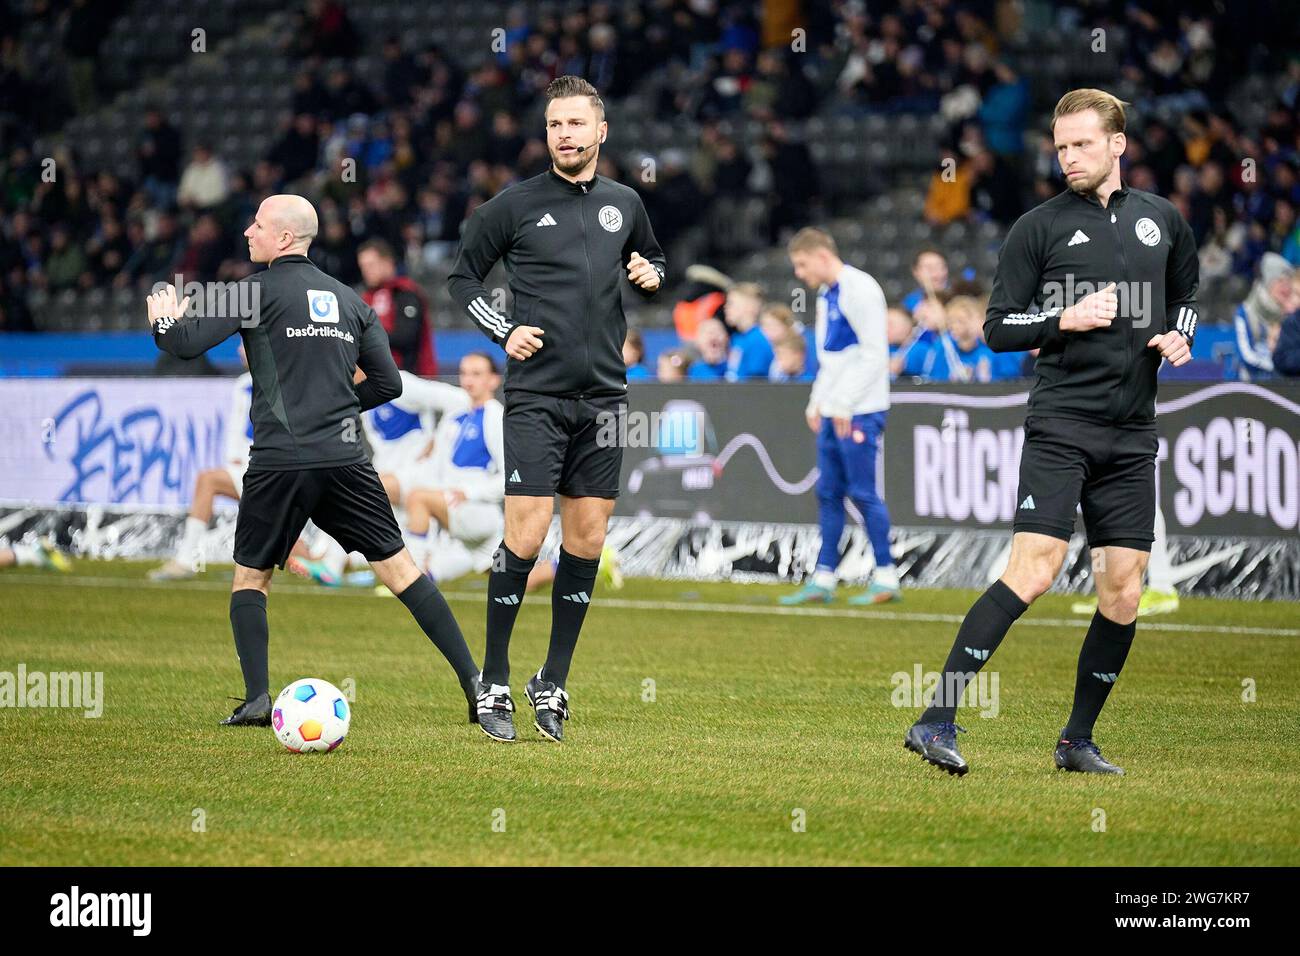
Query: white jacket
[(469, 453), (239, 427), (399, 431), (852, 348)]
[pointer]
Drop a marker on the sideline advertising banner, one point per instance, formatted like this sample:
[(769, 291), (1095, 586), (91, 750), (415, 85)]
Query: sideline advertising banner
[(1229, 461), (121, 441)]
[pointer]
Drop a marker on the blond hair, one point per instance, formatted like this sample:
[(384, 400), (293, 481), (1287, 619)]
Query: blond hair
[(793, 340), (782, 313), (1110, 108), (751, 289), (964, 303), (809, 238)]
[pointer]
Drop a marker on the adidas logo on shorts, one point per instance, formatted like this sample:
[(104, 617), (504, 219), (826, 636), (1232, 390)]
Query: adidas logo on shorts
[(514, 476), (1027, 504)]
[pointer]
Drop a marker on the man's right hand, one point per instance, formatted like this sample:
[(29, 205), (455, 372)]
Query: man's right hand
[(524, 340), (1094, 311)]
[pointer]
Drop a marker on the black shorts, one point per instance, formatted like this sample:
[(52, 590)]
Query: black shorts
[(347, 502), (1110, 471), (562, 445)]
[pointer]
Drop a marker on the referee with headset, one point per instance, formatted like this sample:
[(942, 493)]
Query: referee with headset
[(309, 337), (569, 238)]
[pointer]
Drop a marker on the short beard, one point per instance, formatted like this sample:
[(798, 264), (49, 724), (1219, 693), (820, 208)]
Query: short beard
[(578, 163), (1089, 186)]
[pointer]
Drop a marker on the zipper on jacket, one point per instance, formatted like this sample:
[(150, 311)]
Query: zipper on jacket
[(1126, 372), (591, 292)]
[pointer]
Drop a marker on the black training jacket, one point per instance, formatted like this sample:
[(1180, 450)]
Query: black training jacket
[(1071, 246), (308, 335), (566, 247)]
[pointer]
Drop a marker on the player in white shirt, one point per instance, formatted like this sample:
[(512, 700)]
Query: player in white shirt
[(401, 432), (847, 410), (460, 489)]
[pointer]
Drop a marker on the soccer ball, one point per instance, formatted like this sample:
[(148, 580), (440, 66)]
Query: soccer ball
[(311, 715)]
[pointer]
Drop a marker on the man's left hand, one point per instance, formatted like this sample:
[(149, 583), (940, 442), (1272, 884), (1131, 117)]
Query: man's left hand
[(641, 273), (1173, 346)]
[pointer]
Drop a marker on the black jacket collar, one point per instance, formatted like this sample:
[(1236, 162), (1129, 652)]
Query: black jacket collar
[(1117, 198), (581, 186), (298, 257)]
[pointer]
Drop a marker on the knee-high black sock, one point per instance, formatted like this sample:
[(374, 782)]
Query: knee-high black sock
[(575, 581), (248, 621), (986, 623), (506, 586), (1105, 648), (429, 608)]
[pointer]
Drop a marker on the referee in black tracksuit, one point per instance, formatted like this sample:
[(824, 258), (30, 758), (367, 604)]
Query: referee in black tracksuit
[(309, 336), (1113, 273), (569, 238)]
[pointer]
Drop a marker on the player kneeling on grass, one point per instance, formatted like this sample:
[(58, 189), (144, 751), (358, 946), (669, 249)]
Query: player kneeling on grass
[(1090, 437), (463, 484)]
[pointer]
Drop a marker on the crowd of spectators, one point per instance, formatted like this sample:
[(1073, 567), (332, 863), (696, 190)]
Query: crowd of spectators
[(407, 157), (730, 331)]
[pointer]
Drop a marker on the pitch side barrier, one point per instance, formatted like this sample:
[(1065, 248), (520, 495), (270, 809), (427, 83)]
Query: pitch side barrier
[(719, 480)]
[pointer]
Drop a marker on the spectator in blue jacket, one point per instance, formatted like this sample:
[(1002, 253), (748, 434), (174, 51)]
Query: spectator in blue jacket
[(966, 357), (634, 357), (1004, 113), (930, 270), (921, 356), (791, 362), (898, 328), (711, 343), (751, 354)]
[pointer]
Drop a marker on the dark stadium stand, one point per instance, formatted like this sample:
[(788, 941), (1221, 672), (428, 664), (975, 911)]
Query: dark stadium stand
[(875, 138)]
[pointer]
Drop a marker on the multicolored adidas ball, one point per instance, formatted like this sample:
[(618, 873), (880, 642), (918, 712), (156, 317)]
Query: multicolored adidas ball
[(311, 715)]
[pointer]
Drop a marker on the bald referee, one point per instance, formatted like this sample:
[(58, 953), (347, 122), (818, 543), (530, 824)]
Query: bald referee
[(309, 336)]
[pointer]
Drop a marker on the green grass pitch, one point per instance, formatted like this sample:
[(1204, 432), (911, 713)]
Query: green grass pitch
[(710, 727)]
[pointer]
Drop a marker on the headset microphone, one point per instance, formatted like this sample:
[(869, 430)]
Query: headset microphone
[(583, 149)]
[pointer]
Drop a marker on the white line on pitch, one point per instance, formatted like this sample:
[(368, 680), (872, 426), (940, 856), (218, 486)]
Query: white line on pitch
[(638, 605)]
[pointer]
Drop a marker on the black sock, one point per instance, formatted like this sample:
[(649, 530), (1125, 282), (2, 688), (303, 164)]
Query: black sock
[(575, 581), (248, 621), (986, 623), (1101, 659), (429, 608), (506, 586)]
